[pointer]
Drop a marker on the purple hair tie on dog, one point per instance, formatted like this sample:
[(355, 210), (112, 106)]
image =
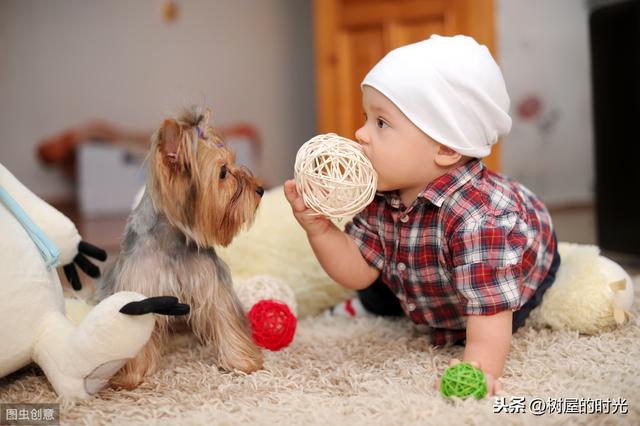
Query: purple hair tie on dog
[(201, 136)]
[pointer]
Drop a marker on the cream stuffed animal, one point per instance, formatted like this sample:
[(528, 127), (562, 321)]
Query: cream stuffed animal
[(277, 246), (591, 293), (77, 360)]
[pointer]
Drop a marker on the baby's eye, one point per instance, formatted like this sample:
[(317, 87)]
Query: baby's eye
[(381, 123)]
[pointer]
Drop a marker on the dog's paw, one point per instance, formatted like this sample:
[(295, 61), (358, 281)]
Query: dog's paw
[(126, 380), (250, 365), (247, 361)]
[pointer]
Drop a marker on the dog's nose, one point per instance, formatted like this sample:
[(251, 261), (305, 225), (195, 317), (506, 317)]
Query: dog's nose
[(260, 190)]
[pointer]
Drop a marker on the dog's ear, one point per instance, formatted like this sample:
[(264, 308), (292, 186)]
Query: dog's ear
[(170, 136)]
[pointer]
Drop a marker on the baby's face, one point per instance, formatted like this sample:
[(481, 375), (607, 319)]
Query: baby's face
[(402, 155)]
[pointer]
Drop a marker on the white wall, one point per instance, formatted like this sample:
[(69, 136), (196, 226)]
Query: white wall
[(65, 61), (544, 52)]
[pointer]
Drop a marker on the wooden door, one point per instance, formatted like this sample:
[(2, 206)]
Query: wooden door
[(352, 35)]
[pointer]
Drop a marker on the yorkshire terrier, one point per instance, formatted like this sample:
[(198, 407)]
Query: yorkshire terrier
[(196, 197)]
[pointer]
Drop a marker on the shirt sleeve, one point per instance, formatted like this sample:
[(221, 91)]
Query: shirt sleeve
[(487, 256), (363, 228)]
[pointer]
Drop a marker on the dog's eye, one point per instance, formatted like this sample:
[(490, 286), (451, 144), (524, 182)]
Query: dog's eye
[(223, 172)]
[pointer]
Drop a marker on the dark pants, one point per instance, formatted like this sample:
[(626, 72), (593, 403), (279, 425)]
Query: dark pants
[(380, 300)]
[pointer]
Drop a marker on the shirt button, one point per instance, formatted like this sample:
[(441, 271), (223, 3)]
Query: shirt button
[(411, 307), (402, 267), (404, 219)]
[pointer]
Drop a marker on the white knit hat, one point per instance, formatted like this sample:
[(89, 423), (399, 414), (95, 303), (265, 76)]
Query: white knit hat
[(450, 88)]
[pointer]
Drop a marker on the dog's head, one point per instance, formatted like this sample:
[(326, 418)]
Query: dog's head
[(195, 182)]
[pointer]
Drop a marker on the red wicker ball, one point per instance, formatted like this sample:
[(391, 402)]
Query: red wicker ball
[(272, 324)]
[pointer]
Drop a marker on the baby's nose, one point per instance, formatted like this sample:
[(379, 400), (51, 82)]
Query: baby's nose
[(361, 135)]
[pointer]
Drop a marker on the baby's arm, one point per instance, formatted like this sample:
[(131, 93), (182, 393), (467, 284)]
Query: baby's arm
[(487, 347), (336, 251), (488, 341), (340, 257), (487, 255)]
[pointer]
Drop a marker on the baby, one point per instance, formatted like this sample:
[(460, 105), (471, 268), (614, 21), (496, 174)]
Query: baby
[(446, 241)]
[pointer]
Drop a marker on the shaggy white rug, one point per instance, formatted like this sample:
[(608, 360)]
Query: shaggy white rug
[(368, 371)]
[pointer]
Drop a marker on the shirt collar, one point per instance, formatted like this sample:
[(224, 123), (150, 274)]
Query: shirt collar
[(442, 186)]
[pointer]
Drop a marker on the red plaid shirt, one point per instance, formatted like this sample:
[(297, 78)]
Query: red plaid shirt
[(473, 243)]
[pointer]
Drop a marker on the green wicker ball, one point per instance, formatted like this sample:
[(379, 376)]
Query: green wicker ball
[(463, 380)]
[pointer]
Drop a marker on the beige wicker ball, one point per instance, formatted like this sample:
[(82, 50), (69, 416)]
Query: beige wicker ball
[(334, 176)]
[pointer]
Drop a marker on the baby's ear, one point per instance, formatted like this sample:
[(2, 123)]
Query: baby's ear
[(447, 157), (169, 137)]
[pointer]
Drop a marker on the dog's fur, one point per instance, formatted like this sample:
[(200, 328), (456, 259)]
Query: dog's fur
[(196, 197)]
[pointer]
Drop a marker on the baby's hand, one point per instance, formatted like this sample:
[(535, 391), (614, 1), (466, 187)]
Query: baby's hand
[(312, 222), (493, 385)]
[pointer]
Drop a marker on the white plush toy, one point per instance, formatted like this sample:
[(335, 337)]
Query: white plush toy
[(591, 293), (276, 245), (77, 360)]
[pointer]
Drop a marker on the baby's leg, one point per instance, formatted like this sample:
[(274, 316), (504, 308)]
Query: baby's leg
[(380, 300), (377, 299)]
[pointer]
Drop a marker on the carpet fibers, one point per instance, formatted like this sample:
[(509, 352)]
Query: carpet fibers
[(369, 371)]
